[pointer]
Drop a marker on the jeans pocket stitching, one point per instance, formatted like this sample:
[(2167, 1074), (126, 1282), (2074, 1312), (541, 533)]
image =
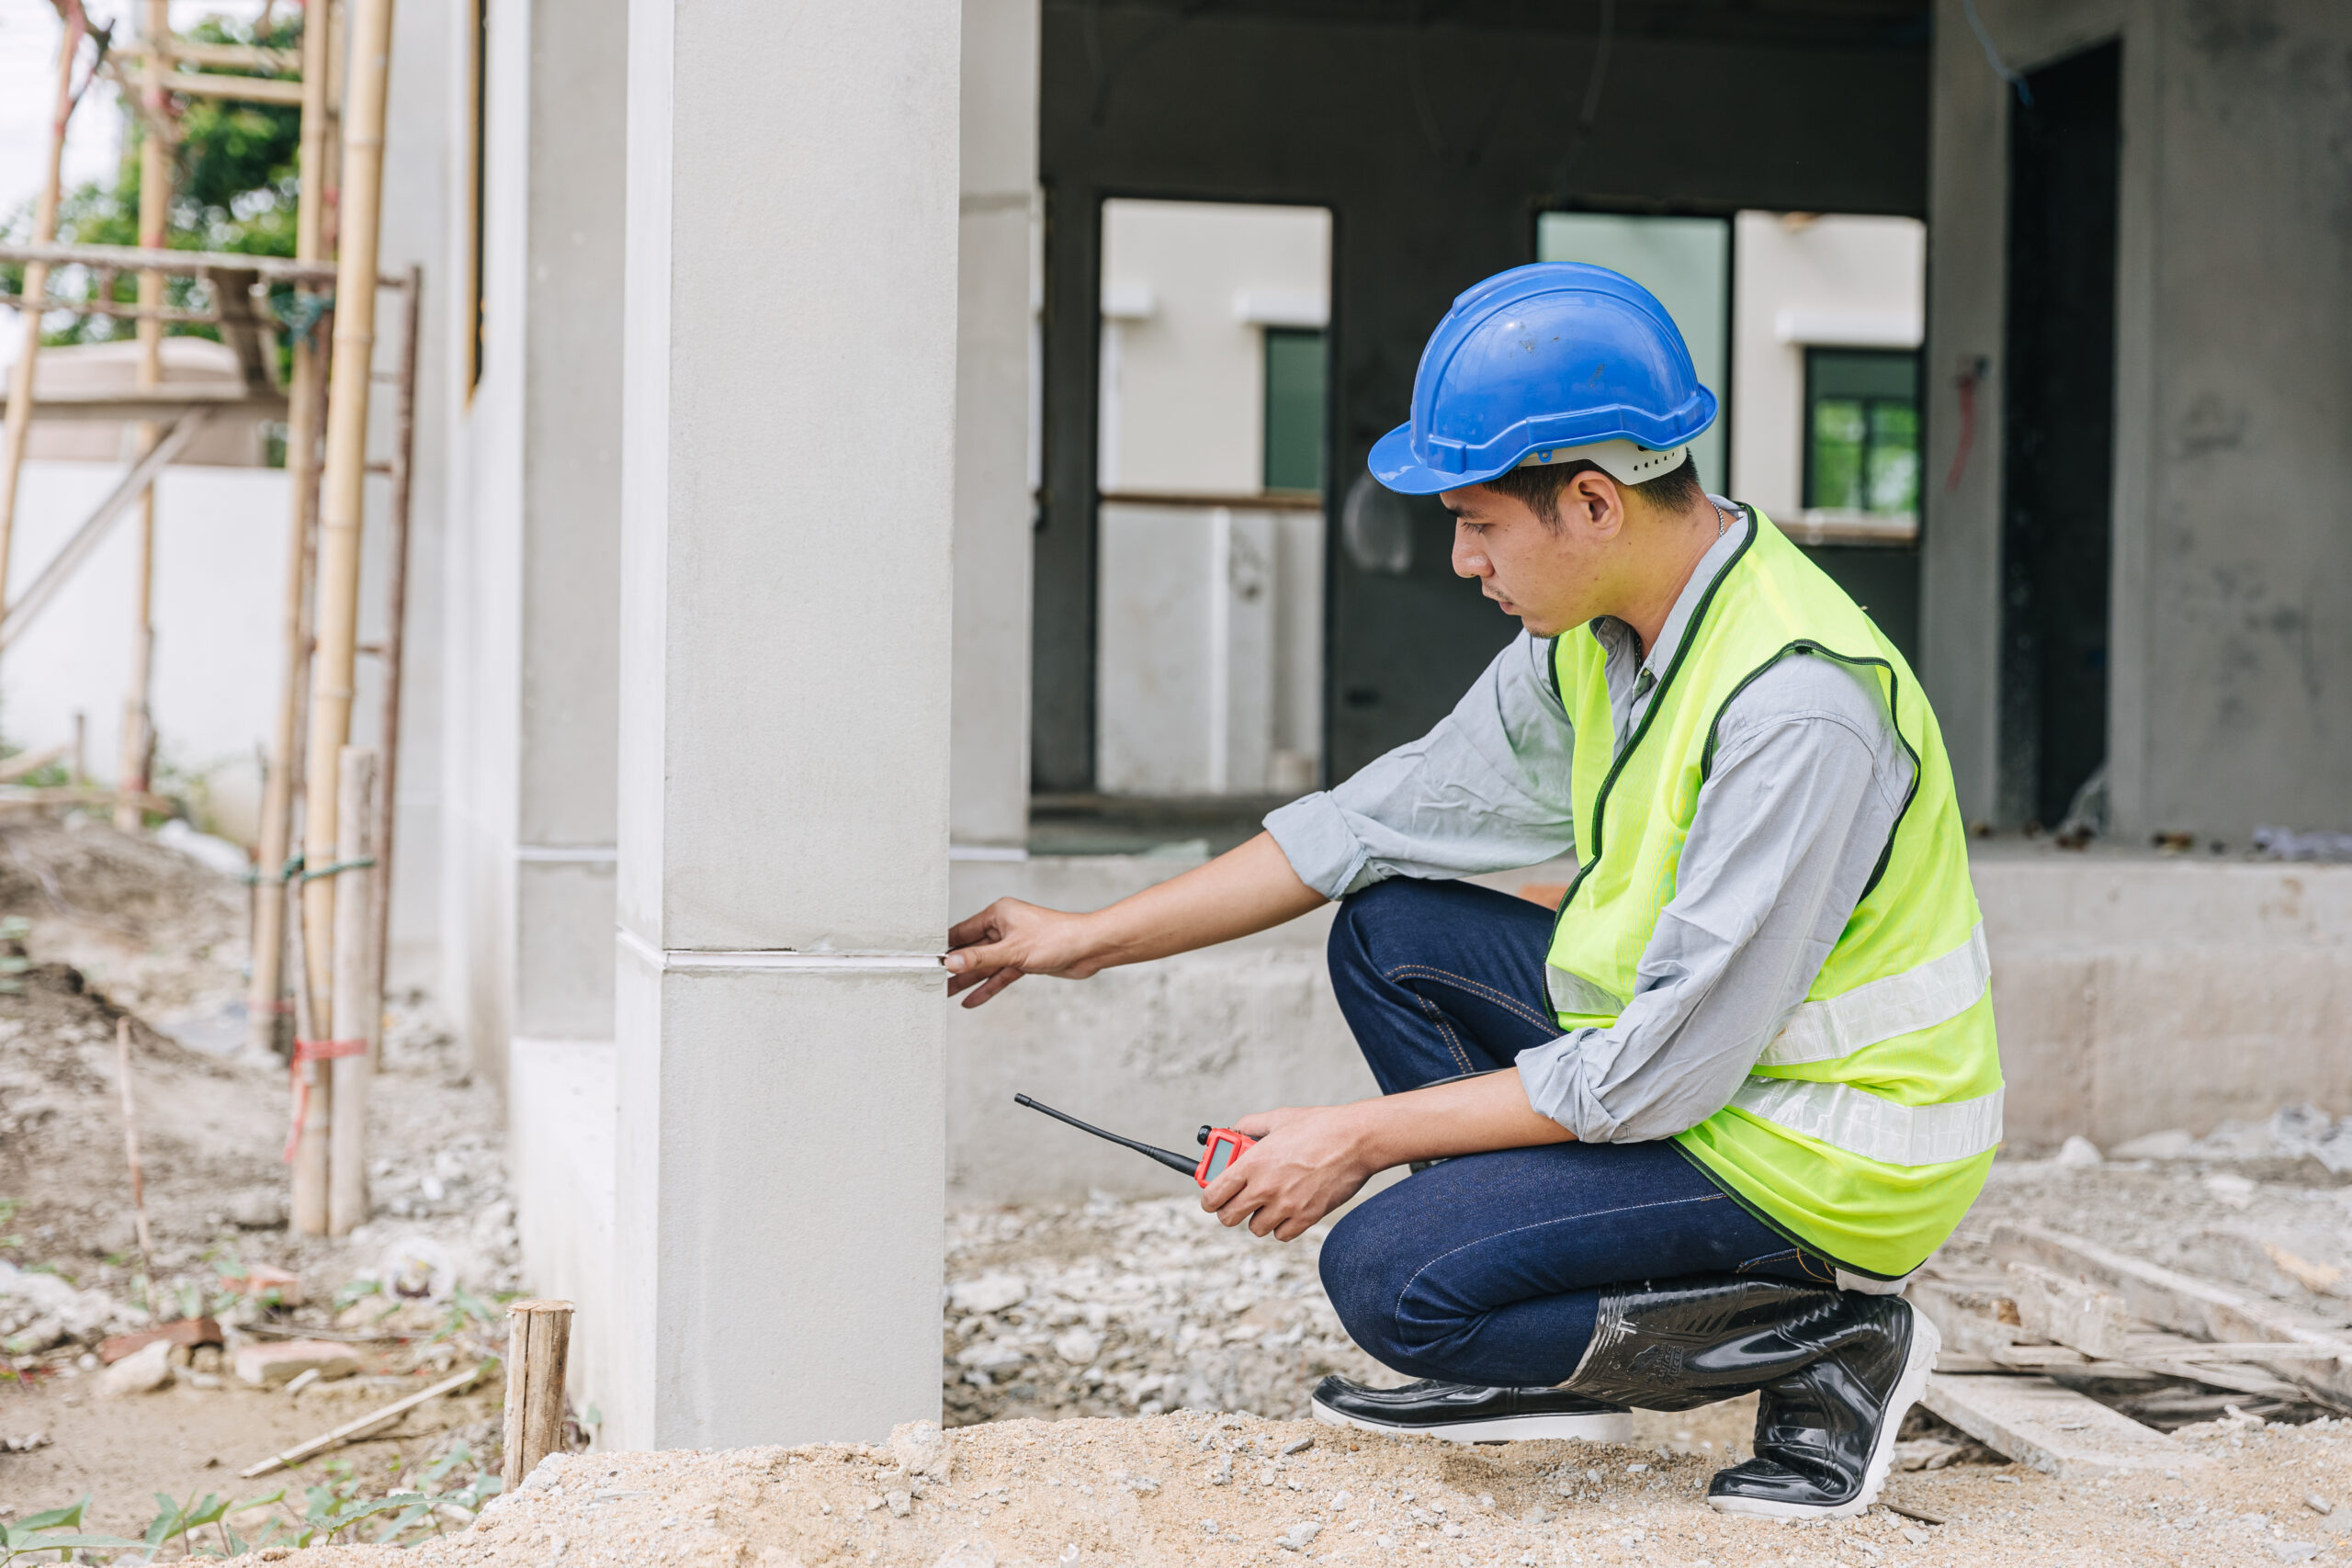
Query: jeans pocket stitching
[(1508, 1003)]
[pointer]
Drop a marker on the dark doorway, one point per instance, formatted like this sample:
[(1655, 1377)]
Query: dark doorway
[(2058, 432)]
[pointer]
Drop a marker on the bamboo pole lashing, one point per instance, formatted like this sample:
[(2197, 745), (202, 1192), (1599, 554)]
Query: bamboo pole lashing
[(538, 1349), (357, 1013)]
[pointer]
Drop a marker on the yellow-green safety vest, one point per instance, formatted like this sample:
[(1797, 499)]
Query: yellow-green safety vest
[(1865, 1128)]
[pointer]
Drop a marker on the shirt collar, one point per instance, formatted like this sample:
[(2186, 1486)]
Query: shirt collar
[(1613, 634)]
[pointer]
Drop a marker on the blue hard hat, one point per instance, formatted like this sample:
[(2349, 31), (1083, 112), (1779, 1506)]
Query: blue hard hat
[(1548, 363)]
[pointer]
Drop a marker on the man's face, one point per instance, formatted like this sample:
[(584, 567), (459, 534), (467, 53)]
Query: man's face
[(1551, 578)]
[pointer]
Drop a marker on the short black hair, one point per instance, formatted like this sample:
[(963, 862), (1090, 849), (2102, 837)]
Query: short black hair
[(1538, 486)]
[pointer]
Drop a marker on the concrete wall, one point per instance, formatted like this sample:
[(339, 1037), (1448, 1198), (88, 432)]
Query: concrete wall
[(2136, 994), (534, 591), (2119, 983), (2232, 587), (999, 283), (1801, 280), (416, 229), (220, 557)]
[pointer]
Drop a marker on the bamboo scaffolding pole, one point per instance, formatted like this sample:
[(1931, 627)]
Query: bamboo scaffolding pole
[(357, 1013), (264, 1007), (155, 163), (343, 485), (395, 631), (306, 1150), (20, 380)]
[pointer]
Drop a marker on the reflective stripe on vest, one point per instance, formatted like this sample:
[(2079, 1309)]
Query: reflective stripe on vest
[(1571, 992), (1860, 1123), (1917, 999)]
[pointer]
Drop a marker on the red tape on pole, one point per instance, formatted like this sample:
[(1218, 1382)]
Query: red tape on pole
[(312, 1050)]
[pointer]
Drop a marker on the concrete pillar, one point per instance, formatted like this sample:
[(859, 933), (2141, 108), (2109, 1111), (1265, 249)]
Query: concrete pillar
[(995, 340), (787, 435)]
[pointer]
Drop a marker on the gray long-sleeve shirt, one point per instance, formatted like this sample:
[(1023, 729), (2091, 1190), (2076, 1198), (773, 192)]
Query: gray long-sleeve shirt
[(1809, 778)]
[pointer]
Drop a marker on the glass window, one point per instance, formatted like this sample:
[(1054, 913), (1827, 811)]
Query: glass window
[(1295, 359), (1862, 430)]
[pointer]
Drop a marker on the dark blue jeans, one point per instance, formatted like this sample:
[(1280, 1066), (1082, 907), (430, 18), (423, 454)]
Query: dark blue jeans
[(1490, 1269)]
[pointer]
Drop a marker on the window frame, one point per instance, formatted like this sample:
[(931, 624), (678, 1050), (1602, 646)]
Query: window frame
[(1812, 398)]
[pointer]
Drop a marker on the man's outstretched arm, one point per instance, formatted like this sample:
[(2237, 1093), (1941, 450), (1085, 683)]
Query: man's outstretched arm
[(1242, 892)]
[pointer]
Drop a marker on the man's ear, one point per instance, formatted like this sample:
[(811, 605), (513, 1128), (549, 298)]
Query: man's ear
[(1593, 503)]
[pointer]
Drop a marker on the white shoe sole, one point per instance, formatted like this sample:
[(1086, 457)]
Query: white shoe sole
[(1924, 1343), (1607, 1428)]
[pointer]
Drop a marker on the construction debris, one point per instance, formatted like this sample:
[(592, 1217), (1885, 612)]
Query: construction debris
[(2055, 1429)]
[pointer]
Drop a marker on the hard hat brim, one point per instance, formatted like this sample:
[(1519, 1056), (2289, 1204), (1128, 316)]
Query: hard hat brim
[(1629, 463), (1393, 465)]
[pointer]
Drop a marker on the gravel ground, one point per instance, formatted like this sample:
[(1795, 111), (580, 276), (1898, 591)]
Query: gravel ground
[(1114, 1308)]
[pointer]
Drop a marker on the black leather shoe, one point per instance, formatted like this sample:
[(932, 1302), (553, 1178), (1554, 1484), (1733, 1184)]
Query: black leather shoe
[(1466, 1413), (1826, 1432)]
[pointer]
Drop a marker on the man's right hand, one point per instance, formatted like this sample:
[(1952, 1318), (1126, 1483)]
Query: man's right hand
[(1244, 890), (1009, 939)]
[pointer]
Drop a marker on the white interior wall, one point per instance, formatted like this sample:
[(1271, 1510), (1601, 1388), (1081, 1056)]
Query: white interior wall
[(1183, 369), (1210, 666), (1800, 280)]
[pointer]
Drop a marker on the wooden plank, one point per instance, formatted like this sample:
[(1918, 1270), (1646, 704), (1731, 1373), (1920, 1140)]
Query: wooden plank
[(2320, 1362), (1976, 1316), (2054, 1429), (2069, 1312)]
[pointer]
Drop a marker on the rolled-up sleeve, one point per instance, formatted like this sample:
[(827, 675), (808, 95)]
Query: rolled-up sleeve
[(1486, 790), (1787, 829)]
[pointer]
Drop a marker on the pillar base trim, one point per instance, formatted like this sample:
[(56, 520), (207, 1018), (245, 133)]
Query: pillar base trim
[(568, 854), (692, 960)]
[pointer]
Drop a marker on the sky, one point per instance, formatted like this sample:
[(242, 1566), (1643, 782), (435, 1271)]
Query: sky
[(29, 37)]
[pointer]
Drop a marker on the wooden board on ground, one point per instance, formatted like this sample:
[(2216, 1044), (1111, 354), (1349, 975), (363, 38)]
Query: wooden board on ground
[(2322, 1362), (2054, 1429)]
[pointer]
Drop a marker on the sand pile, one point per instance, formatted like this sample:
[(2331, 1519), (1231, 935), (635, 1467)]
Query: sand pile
[(1192, 1488)]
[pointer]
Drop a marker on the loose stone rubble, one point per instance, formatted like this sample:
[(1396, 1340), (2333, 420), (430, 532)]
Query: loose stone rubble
[(1111, 1308)]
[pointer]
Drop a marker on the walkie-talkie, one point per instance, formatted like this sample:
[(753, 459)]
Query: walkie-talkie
[(1219, 1145)]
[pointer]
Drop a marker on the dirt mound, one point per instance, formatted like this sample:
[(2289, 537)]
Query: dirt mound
[(157, 930), (204, 1126)]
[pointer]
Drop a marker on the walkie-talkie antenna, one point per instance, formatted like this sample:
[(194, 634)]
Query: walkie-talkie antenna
[(1172, 1161)]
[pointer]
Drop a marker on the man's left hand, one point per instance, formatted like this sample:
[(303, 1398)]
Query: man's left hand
[(1306, 1162)]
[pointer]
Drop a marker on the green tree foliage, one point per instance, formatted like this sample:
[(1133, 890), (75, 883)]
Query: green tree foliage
[(234, 188)]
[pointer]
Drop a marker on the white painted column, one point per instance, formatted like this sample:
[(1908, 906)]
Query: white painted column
[(994, 406), (787, 476)]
